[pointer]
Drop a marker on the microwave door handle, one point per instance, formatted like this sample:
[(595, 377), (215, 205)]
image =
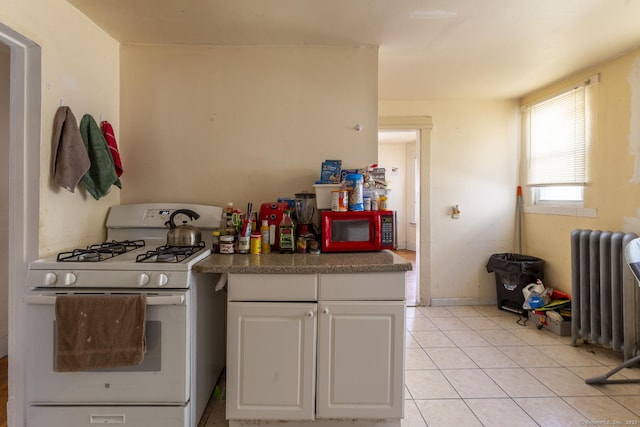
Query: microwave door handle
[(151, 300)]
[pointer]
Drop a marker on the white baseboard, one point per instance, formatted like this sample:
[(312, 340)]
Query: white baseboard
[(445, 302)]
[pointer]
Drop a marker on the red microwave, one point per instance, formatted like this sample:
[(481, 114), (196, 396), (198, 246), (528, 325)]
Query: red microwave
[(357, 231)]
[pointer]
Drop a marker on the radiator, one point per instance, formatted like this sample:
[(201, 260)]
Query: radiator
[(604, 299)]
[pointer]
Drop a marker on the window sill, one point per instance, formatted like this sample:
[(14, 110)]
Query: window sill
[(561, 210)]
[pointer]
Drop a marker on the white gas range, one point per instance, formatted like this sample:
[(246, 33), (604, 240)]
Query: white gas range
[(185, 324)]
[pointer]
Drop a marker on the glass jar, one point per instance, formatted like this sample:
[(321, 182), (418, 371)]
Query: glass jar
[(302, 245), (215, 242), (227, 244), (314, 247)]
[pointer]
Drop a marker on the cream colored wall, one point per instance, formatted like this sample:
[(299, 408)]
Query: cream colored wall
[(613, 189), (474, 159), (80, 66), (211, 124)]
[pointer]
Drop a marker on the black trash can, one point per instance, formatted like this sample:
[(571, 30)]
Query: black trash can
[(513, 273)]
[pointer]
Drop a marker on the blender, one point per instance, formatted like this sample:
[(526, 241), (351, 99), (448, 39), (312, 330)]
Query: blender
[(305, 210)]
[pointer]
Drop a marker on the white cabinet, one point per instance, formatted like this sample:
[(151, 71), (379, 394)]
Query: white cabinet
[(271, 360), (272, 363), (360, 359)]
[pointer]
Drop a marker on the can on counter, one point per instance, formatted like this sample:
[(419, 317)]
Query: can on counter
[(256, 243), (340, 200)]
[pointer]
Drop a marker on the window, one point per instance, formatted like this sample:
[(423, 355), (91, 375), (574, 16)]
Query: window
[(557, 131)]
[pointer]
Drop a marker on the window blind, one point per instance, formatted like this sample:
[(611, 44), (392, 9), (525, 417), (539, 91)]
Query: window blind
[(557, 148)]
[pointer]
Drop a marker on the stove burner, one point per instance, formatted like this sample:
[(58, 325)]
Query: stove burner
[(171, 254), (101, 251)]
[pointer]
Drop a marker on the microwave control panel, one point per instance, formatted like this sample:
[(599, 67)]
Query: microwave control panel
[(386, 230)]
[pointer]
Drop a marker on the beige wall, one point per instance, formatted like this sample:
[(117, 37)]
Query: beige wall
[(80, 66), (211, 124), (474, 158), (613, 188)]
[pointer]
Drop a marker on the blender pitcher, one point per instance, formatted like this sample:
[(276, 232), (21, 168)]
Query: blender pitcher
[(305, 210)]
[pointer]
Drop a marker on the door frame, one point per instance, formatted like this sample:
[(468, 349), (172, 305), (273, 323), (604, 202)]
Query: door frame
[(24, 199), (423, 126)]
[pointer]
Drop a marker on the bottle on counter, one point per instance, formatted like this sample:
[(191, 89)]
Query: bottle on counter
[(383, 203), (266, 237), (375, 201), (215, 242), (286, 234), (227, 215)]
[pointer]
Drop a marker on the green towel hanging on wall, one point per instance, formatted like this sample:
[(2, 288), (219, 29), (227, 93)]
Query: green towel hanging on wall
[(102, 173)]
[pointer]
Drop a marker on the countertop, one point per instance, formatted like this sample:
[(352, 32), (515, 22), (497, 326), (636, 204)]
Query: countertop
[(277, 263)]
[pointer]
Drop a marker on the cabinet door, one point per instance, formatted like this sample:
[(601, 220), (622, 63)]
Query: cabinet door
[(271, 356), (360, 359)]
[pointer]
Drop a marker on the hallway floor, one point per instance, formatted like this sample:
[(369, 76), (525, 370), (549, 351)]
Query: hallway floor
[(480, 366)]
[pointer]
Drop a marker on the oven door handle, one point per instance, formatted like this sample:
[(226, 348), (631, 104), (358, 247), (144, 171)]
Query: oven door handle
[(151, 300)]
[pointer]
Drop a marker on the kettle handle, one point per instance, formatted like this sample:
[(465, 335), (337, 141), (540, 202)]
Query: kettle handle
[(191, 214)]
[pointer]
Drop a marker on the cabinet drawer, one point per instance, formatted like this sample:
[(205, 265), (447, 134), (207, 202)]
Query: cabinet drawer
[(388, 286), (133, 416), (273, 287)]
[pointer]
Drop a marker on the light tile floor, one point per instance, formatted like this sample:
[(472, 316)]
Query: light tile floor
[(480, 366)]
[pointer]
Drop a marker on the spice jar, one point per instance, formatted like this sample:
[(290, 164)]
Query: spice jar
[(302, 245), (227, 244), (314, 247)]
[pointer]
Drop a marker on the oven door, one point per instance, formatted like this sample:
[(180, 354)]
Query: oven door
[(160, 378)]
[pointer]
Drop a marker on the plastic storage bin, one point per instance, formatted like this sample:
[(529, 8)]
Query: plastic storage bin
[(562, 328), (513, 272), (323, 194)]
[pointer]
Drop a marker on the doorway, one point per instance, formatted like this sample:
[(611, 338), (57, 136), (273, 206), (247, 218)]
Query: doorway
[(397, 154), (22, 146), (421, 127)]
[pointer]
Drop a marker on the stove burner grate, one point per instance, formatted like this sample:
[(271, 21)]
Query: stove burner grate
[(101, 251), (169, 253)]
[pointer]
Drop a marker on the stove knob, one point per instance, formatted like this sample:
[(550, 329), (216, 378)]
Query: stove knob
[(50, 279), (69, 279), (162, 279), (143, 279)]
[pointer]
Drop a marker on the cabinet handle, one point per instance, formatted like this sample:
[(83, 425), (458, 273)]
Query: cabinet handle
[(310, 313), (325, 310)]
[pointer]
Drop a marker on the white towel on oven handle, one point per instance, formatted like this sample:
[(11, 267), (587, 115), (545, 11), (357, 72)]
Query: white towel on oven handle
[(222, 282)]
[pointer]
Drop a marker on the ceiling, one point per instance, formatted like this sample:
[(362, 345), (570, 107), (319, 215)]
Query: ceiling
[(428, 49)]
